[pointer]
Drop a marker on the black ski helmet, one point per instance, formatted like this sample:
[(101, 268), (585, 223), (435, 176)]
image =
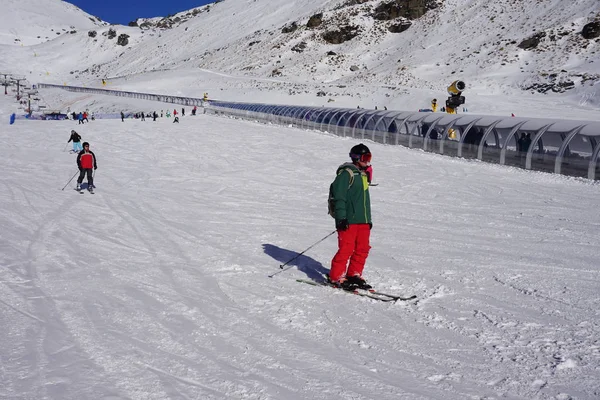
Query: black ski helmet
[(357, 151)]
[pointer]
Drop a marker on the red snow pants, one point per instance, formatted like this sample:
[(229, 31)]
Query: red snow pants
[(353, 245)]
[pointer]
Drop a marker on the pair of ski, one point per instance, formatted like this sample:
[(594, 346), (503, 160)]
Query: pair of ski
[(371, 293), (81, 190)]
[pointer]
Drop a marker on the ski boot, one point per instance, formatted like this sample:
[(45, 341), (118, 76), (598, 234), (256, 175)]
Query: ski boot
[(359, 282)]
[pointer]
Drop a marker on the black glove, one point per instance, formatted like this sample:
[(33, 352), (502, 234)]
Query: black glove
[(341, 225), (95, 168), (370, 225)]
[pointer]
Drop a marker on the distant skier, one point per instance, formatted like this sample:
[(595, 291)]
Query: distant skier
[(86, 162), (182, 112), (176, 120), (76, 141), (122, 117)]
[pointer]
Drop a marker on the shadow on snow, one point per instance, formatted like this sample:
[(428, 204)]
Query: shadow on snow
[(311, 267)]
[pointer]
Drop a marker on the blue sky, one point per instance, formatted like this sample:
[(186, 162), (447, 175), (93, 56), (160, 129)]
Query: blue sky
[(124, 11)]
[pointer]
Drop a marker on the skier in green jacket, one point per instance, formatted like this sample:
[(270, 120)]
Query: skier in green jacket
[(350, 205)]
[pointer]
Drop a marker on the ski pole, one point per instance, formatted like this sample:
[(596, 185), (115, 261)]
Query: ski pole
[(65, 147), (298, 255), (70, 180)]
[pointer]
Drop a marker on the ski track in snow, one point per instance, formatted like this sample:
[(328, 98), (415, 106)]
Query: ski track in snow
[(156, 286)]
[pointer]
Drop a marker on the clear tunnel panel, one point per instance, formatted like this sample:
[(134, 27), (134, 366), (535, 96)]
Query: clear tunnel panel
[(351, 119), (577, 155), (431, 132), (334, 121), (329, 122), (492, 146), (343, 121), (545, 151), (515, 156), (472, 140), (358, 129)]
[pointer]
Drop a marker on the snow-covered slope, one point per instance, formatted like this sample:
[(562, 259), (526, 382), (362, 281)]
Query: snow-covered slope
[(265, 49), (156, 287), (27, 22)]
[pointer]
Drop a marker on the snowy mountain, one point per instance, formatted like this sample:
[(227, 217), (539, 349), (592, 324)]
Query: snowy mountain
[(30, 22), (344, 52)]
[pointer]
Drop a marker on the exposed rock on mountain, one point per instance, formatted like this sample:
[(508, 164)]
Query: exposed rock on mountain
[(123, 39), (532, 42), (315, 21), (591, 30), (341, 35)]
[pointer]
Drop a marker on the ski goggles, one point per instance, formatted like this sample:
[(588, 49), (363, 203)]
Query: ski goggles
[(366, 158)]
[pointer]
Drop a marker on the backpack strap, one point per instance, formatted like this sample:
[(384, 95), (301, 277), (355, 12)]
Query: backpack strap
[(330, 200), (351, 175)]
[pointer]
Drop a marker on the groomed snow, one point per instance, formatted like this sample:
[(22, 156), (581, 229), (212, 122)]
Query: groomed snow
[(157, 287)]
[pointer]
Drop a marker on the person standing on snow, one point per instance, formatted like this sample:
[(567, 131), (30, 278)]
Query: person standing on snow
[(76, 141), (122, 117), (350, 204), (86, 161)]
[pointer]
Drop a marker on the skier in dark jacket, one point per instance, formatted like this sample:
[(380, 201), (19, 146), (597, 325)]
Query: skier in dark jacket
[(86, 162), (349, 195), (76, 141)]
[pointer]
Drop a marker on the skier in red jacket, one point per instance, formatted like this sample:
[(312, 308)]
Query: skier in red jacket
[(86, 161)]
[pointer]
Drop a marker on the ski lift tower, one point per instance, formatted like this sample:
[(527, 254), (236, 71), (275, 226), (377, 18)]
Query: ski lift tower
[(18, 80), (5, 82), (29, 94)]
